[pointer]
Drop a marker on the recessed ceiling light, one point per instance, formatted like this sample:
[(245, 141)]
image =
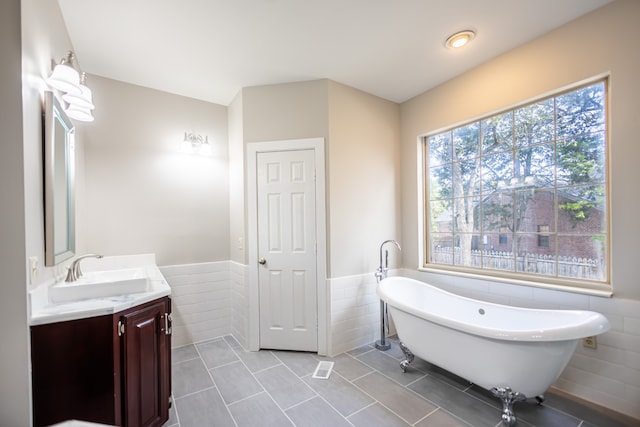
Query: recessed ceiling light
[(459, 39)]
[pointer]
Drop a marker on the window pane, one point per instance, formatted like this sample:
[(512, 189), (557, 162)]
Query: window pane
[(497, 133), (466, 141), (440, 183), (497, 172), (440, 149), (441, 216), (465, 214), (581, 112), (535, 207), (497, 212), (534, 166), (442, 249), (467, 258), (582, 257), (534, 123), (534, 259), (581, 160), (498, 256), (582, 209), (466, 177)]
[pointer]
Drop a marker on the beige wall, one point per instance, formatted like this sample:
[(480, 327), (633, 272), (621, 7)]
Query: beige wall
[(142, 194), (14, 351), (361, 134), (237, 230), (590, 46), (364, 180), (285, 111)]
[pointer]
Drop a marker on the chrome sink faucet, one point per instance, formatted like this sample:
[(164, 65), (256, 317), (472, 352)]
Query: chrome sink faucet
[(381, 272), (74, 272)]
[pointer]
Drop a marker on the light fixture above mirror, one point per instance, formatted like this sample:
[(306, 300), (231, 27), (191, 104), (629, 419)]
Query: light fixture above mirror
[(75, 93)]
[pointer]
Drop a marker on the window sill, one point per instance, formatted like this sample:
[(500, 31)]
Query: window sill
[(592, 289)]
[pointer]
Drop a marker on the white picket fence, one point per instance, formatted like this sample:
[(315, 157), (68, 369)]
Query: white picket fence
[(548, 265)]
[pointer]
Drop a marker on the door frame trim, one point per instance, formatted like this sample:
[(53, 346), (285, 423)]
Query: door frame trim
[(253, 148)]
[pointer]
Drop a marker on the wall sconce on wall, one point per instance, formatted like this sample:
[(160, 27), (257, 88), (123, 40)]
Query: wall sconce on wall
[(196, 144), (75, 92)]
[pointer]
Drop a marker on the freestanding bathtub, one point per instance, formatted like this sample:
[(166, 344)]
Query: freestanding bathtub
[(514, 352)]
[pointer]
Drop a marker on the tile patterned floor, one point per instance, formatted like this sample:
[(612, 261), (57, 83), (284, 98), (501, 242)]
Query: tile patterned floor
[(217, 383)]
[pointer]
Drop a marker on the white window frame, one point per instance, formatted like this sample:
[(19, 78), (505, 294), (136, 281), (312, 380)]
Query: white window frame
[(598, 288)]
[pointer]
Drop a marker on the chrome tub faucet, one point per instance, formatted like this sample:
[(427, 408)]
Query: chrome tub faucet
[(381, 272)]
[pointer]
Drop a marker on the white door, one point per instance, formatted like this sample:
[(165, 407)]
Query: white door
[(287, 250)]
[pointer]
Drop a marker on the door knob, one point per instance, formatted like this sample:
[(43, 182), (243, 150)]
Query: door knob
[(262, 261)]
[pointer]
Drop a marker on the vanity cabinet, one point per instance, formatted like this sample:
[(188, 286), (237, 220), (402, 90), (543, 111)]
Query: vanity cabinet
[(112, 369)]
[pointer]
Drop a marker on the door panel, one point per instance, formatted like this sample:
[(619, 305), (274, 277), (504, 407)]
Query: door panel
[(287, 241)]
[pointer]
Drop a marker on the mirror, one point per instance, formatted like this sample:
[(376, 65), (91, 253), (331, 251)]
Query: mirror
[(59, 195)]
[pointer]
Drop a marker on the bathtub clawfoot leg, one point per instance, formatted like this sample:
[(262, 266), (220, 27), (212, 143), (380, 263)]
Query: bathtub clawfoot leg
[(540, 399), (508, 398), (408, 357)]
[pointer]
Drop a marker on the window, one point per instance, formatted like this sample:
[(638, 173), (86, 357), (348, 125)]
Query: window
[(530, 184), (543, 236)]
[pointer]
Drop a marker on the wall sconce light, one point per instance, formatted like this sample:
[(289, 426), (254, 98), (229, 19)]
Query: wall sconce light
[(65, 78), (196, 144), (80, 105), (459, 39), (75, 92)]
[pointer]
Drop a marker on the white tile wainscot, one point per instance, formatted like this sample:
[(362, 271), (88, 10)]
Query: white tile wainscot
[(240, 303), (608, 375), (201, 301), (355, 312)]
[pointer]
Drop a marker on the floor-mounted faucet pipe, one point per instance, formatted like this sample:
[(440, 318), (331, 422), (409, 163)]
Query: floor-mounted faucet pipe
[(381, 273)]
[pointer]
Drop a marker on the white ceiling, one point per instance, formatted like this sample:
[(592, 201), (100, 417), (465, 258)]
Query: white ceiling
[(210, 49)]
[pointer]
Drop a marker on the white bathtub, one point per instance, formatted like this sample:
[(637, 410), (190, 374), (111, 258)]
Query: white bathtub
[(509, 350)]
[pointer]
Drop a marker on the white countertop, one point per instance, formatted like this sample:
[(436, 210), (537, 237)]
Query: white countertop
[(43, 311)]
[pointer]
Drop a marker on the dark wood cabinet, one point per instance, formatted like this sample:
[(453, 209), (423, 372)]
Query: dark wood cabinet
[(112, 369)]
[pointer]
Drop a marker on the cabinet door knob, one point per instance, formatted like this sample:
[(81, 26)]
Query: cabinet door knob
[(262, 261)]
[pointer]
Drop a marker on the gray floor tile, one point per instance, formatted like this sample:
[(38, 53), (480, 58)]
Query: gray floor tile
[(189, 377), (437, 372), (348, 366), (216, 353), (376, 415), (299, 362), (407, 404), (258, 411), (360, 350), (367, 385), (395, 350), (593, 415), (340, 393), (390, 367), (441, 418), (285, 387), (316, 413), (468, 408), (235, 382), (233, 343), (202, 409), (257, 360), (184, 353)]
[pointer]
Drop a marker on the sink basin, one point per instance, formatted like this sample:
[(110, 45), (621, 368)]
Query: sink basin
[(101, 284)]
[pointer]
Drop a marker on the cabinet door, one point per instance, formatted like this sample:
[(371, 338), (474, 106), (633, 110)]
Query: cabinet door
[(146, 364)]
